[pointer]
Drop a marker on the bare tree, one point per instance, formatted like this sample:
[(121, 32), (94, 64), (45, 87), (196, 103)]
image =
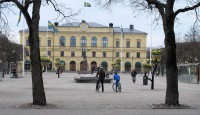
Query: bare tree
[(167, 11), (32, 21), (187, 51), (193, 35), (6, 53)]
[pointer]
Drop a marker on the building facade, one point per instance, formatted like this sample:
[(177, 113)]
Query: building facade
[(101, 43)]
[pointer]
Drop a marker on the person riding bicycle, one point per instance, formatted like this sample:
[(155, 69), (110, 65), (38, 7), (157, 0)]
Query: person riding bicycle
[(117, 79), (101, 75)]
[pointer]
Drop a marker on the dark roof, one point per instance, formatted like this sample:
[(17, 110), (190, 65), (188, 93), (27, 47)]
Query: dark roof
[(90, 24), (41, 29), (128, 30)]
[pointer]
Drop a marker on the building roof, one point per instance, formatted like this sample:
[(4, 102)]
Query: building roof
[(128, 30), (91, 24), (41, 29)]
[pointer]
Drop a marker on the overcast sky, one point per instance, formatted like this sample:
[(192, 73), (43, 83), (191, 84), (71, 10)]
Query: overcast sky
[(118, 15)]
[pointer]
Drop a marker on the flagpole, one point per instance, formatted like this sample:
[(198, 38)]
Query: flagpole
[(151, 37), (23, 20), (121, 49), (23, 47), (47, 40), (47, 43)]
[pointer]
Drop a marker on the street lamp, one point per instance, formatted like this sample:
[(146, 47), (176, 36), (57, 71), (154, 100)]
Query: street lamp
[(3, 63), (14, 67), (132, 62), (156, 55)]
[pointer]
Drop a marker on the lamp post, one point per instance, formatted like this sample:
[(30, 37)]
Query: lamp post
[(156, 55), (3, 64), (14, 67), (1, 75), (132, 63)]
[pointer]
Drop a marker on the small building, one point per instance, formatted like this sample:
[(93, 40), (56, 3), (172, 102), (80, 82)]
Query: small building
[(189, 73)]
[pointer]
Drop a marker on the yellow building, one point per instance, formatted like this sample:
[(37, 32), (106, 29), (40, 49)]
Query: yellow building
[(102, 43)]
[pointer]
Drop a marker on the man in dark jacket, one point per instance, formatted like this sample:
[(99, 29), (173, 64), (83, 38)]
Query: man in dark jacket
[(101, 75), (133, 74)]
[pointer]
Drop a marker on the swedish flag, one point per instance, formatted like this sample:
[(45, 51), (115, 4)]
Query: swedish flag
[(20, 14), (87, 4), (51, 26), (122, 33)]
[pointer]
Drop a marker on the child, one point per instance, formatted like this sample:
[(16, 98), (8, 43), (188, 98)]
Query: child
[(117, 79)]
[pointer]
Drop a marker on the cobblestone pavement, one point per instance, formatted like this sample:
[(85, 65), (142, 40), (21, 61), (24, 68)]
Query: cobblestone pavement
[(73, 98)]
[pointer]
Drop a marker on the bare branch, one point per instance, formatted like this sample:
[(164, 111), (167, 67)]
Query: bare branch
[(187, 9), (58, 8), (108, 3), (197, 19), (3, 1), (27, 3), (3, 21), (156, 3)]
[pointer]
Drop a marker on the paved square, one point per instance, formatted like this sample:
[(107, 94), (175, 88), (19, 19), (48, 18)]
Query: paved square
[(81, 98)]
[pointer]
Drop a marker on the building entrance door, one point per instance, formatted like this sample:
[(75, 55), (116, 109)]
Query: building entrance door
[(83, 66), (72, 66)]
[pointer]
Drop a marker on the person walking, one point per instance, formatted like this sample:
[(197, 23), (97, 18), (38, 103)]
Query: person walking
[(133, 74), (117, 79), (92, 70), (101, 75), (58, 72)]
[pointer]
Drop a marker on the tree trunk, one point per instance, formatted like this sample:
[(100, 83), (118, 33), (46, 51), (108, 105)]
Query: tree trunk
[(39, 97), (172, 95)]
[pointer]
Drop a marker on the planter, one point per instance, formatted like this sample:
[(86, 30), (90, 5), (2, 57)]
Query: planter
[(113, 64), (156, 57), (62, 67), (146, 69), (145, 80), (44, 63), (57, 65)]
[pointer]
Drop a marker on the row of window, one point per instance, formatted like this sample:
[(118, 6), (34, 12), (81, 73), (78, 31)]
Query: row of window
[(93, 54), (104, 42)]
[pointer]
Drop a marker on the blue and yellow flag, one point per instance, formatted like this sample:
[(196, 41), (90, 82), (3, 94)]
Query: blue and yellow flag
[(51, 26), (20, 14), (122, 32), (87, 4)]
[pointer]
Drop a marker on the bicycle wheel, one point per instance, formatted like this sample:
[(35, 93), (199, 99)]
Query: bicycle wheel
[(119, 87), (99, 86), (114, 87)]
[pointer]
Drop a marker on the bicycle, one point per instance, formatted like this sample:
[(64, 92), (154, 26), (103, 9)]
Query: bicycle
[(119, 87), (99, 86)]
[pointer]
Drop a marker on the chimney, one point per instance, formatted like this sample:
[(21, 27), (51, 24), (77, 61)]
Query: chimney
[(83, 21), (56, 23), (131, 27), (111, 25)]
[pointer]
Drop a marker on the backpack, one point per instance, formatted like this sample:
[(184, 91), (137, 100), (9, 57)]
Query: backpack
[(102, 74)]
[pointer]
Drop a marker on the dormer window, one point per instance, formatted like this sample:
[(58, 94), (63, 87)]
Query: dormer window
[(83, 27)]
